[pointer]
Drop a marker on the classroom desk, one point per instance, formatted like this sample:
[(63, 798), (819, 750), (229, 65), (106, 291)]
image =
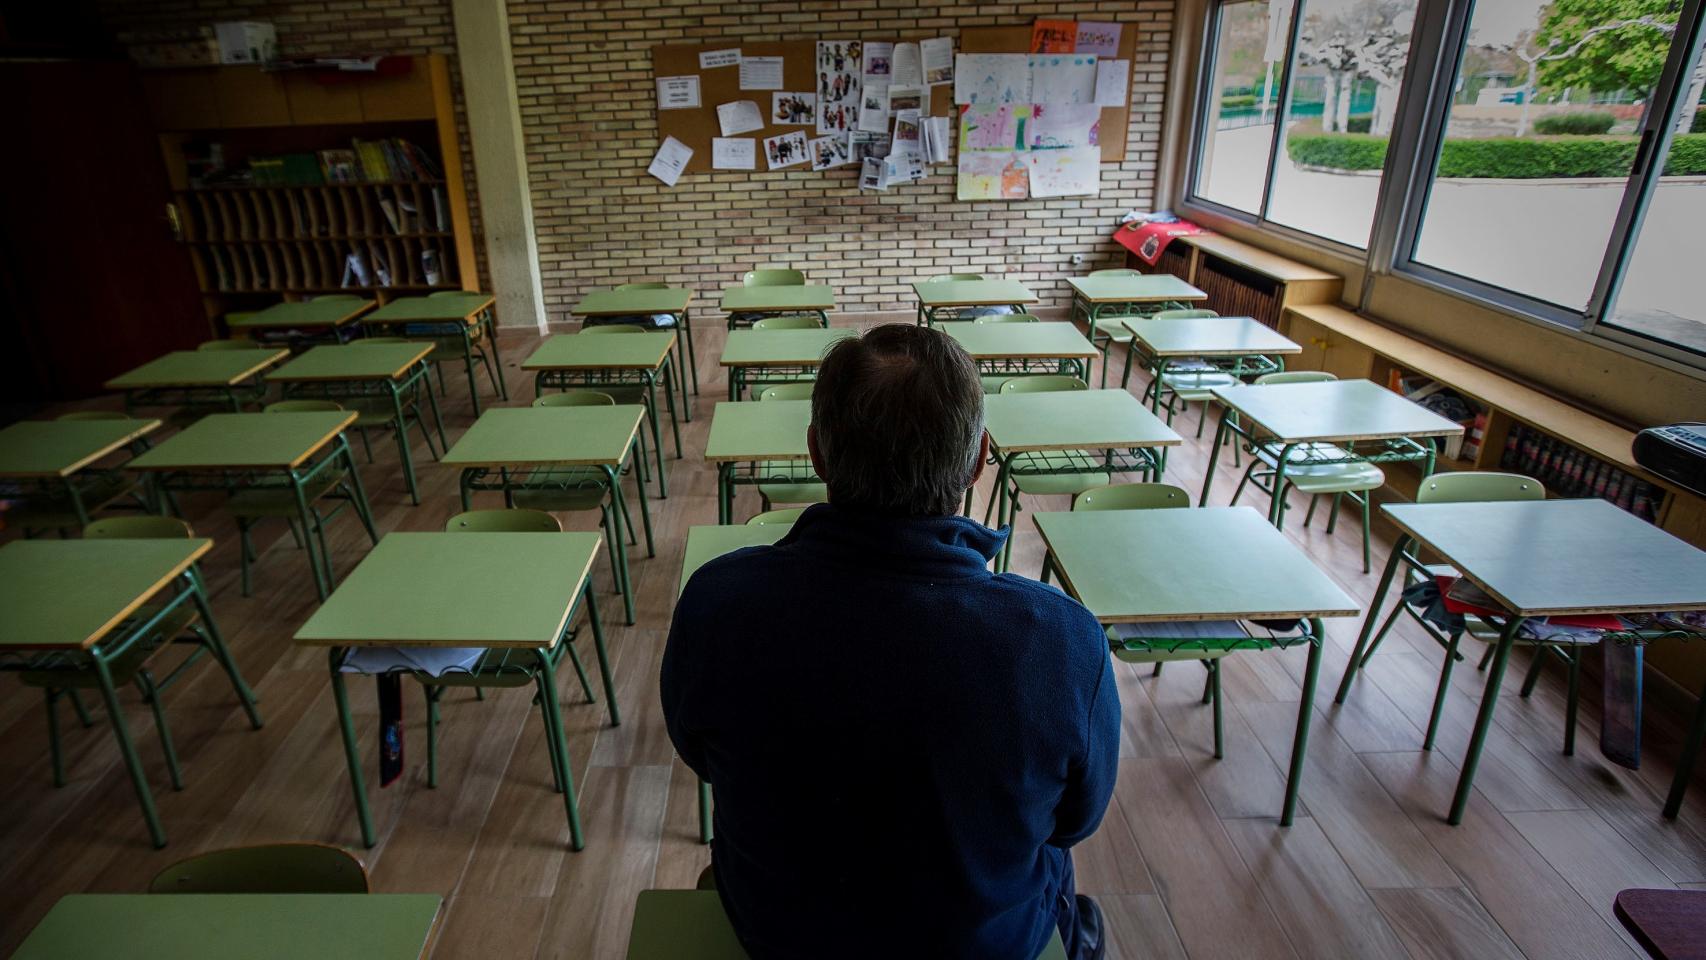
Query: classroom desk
[(56, 458), (254, 926), (628, 366), (1067, 432), (1244, 347), (323, 319), (1207, 564), (1342, 412), (691, 925), (645, 303), (363, 375), (512, 594), (1023, 348), (199, 378), (771, 433), (1549, 558), (1103, 301), (466, 315), (744, 304), (71, 602), (233, 451), (951, 296), (531, 448), (779, 356)]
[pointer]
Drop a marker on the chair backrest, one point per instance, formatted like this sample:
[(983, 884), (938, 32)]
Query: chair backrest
[(230, 343), (451, 293), (791, 321), (273, 868), (239, 315), (773, 277), (955, 276), (1474, 486), (1116, 272), (787, 391), (503, 521), (379, 340), (1006, 318), (94, 415), (1046, 383), (138, 528), (575, 398), (1132, 496), (1297, 376), (301, 406), (776, 516), (644, 285), (613, 328), (1187, 314)]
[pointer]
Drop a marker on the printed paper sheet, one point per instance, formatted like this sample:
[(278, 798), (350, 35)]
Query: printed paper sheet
[(740, 116), (678, 93), (739, 153), (938, 55), (761, 73), (671, 160)]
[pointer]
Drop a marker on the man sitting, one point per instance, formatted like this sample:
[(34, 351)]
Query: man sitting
[(904, 747)]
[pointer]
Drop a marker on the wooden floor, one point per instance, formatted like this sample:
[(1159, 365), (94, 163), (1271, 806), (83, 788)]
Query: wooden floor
[(1189, 861)]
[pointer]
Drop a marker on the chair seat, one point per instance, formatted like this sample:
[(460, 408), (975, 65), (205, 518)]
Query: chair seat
[(1114, 328), (1197, 386), (570, 489), (82, 676), (370, 411), (278, 500), (1327, 476)]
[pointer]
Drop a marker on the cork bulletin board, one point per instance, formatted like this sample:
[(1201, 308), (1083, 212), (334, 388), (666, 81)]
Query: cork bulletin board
[(697, 126)]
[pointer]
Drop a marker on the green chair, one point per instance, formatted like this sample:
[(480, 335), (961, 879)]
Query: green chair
[(1040, 473), (996, 372), (1315, 469), (1106, 331), (1185, 386), (575, 398), (1006, 318), (49, 506), (230, 343), (615, 328), (1467, 487), (276, 868), (773, 277), (94, 415), (950, 277), (58, 673), (776, 517), (453, 349), (788, 321), (798, 481), (373, 412)]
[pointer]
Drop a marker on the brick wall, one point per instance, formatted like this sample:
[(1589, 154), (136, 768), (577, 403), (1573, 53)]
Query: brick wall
[(588, 106)]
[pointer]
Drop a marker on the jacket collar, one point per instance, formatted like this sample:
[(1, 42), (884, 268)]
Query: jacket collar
[(935, 548)]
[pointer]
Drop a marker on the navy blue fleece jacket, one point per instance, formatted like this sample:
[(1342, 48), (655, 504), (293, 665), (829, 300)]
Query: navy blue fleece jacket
[(903, 745)]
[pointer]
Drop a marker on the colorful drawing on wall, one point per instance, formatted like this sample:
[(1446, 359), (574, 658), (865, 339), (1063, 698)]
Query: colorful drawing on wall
[(1054, 36), (1098, 39), (992, 176), (1055, 126), (786, 150), (995, 126), (1069, 172), (793, 108), (838, 72), (992, 78), (1063, 78), (831, 151)]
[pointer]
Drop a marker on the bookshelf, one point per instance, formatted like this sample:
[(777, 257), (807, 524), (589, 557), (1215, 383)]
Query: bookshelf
[(288, 232), (1242, 280)]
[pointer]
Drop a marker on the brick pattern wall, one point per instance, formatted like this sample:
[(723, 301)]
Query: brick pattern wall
[(588, 106)]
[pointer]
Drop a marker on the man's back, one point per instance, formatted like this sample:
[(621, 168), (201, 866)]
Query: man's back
[(902, 745)]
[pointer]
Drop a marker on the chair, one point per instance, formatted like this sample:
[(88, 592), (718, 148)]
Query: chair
[(1187, 386), (614, 328), (1316, 469), (58, 674), (948, 277), (54, 509), (1044, 477), (1466, 487), (773, 277), (997, 372), (790, 321), (453, 349), (800, 481), (270, 868), (374, 412), (1006, 318), (229, 343), (776, 517), (575, 398), (94, 415)]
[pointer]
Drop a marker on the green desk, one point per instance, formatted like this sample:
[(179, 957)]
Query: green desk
[(323, 319), (629, 366), (233, 451), (1208, 564), (1373, 424), (755, 434), (937, 298), (1063, 433), (197, 926), (1023, 348), (53, 461), (79, 603), (778, 356), (746, 304), (1106, 300), (199, 378), (1549, 558), (513, 594), (527, 448), (645, 303), (1241, 347), (359, 374), (462, 319)]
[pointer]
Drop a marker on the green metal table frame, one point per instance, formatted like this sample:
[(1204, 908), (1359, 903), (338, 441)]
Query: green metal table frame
[(1095, 313), (486, 323), (187, 587), (928, 315), (402, 412), (325, 321), (86, 489), (538, 665), (737, 473), (1149, 462), (592, 379), (743, 317)]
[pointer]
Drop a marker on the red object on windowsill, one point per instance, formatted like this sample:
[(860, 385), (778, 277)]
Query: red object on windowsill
[(1147, 240)]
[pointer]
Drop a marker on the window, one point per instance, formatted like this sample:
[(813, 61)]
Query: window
[(1240, 103)]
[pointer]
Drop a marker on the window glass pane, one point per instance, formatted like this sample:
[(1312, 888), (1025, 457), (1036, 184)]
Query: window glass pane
[(1237, 133), (1660, 297), (1540, 140), (1347, 70)]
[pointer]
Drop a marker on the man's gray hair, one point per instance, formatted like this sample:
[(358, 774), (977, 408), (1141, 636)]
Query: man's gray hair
[(898, 415)]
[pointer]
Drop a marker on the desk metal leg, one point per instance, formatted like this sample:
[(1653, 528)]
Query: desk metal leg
[(1002, 474), (216, 642), (1685, 760), (619, 543), (352, 752), (1484, 720), (1361, 651), (669, 403), (362, 509), (725, 492), (557, 744), (685, 326), (1305, 712), (424, 382), (1214, 455), (132, 763), (657, 437), (603, 657), (497, 366), (401, 422), (309, 526), (704, 812)]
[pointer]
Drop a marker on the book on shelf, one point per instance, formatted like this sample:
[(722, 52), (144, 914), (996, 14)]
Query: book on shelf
[(393, 159), (339, 166), (1571, 472), (391, 215), (440, 211)]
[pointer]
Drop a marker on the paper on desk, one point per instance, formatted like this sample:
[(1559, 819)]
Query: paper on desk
[(739, 116), (1063, 78), (1098, 39), (761, 73), (1113, 80), (678, 93), (938, 58), (670, 161), (992, 78), (740, 153), (432, 661), (712, 59), (907, 68)]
